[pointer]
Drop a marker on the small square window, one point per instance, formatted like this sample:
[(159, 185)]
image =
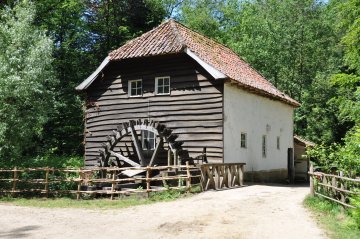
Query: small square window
[(264, 146), (135, 88), (147, 140), (278, 142), (162, 85), (243, 143)]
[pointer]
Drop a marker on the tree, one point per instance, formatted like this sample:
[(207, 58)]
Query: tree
[(346, 100), (112, 23), (292, 43), (63, 21), (84, 31), (26, 82)]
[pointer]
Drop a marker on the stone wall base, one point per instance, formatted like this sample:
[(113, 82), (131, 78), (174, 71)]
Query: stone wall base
[(267, 176)]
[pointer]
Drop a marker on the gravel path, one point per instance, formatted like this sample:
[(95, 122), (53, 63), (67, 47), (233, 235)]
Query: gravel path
[(250, 212)]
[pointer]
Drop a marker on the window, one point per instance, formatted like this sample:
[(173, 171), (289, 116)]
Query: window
[(278, 142), (147, 140), (135, 88), (243, 140), (264, 146), (162, 85)]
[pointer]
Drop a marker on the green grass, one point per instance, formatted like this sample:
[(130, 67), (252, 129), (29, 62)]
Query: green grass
[(101, 203), (337, 223)]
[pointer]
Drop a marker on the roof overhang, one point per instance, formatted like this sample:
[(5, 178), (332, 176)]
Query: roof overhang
[(303, 142), (210, 69), (86, 83)]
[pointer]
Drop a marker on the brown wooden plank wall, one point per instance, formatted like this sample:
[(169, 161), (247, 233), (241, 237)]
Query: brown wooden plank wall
[(193, 110)]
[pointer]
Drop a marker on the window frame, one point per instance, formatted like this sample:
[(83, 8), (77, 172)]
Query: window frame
[(241, 140), (157, 85), (143, 138), (130, 89), (264, 146)]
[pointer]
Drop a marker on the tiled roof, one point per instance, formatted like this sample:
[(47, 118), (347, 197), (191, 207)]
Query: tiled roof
[(302, 141), (172, 37)]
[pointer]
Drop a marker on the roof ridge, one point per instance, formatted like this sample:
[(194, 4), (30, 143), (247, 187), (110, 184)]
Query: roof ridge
[(178, 36), (114, 52)]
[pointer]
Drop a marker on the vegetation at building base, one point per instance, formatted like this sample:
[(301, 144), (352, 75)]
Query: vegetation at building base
[(308, 49), (103, 203), (338, 223)]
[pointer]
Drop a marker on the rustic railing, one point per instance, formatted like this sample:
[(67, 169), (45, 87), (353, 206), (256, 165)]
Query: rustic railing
[(336, 188), (51, 181), (221, 175)]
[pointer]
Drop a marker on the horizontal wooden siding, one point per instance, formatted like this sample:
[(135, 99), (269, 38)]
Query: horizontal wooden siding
[(193, 109)]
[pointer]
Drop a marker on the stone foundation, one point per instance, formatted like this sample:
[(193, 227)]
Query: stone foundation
[(267, 176)]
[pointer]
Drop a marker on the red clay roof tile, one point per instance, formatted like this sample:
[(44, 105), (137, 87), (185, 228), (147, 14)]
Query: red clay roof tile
[(172, 37)]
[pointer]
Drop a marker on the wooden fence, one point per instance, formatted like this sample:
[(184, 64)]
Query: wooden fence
[(48, 181), (336, 188), (51, 181), (217, 176)]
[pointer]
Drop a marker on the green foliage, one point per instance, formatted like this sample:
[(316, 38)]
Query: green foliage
[(112, 23), (292, 43), (338, 224), (82, 32), (65, 202), (26, 82), (54, 161), (346, 98), (355, 213), (167, 195), (344, 157), (68, 202), (203, 16), (63, 21), (349, 26)]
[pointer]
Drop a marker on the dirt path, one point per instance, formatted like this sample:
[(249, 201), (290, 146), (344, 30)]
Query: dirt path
[(250, 212)]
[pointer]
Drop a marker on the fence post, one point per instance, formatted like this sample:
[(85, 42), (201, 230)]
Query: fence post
[(113, 185), (312, 192), (203, 178), (147, 180), (241, 176), (15, 177), (169, 158), (79, 185), (188, 179), (342, 187), (47, 182)]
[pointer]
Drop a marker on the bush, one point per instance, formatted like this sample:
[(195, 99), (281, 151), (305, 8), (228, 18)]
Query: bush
[(355, 213), (344, 157)]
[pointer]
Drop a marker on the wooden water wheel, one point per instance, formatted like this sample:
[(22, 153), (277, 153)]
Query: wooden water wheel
[(126, 148)]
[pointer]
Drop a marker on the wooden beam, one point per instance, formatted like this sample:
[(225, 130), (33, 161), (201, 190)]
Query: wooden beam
[(156, 152), (137, 144), (125, 159)]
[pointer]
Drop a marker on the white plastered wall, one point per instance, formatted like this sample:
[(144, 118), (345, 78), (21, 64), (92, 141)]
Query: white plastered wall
[(256, 116)]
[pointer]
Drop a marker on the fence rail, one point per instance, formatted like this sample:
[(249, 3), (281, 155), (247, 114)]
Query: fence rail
[(336, 188), (51, 178), (48, 181)]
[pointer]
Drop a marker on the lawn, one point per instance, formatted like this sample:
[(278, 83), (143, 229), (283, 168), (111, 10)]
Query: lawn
[(338, 224), (99, 203)]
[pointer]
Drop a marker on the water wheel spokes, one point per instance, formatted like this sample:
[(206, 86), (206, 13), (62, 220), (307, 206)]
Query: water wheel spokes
[(117, 151)]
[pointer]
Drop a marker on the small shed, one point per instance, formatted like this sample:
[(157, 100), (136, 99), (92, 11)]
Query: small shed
[(300, 158)]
